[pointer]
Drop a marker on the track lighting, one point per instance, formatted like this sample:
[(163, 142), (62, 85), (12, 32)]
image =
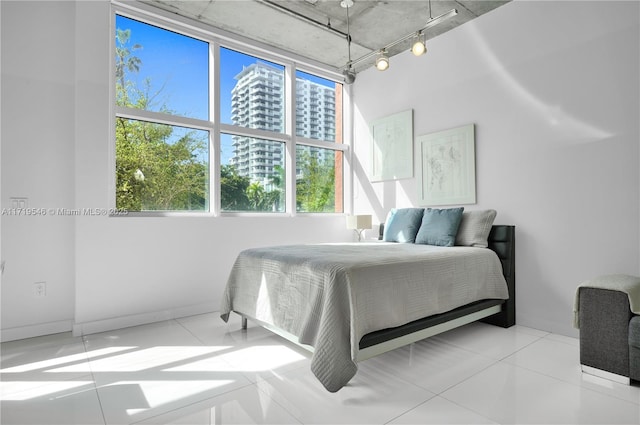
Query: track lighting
[(418, 44), (382, 62)]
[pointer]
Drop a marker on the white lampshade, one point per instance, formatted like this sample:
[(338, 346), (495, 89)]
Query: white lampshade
[(359, 221)]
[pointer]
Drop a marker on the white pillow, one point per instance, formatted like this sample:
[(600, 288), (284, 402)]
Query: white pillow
[(475, 227)]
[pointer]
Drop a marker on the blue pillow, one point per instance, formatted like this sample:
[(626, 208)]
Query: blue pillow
[(439, 226), (402, 225)]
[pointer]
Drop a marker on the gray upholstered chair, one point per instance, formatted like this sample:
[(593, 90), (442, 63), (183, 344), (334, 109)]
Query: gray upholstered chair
[(609, 334)]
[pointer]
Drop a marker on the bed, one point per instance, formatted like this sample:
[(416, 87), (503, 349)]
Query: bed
[(352, 301)]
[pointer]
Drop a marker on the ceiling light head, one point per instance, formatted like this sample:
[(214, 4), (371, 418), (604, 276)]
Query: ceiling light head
[(418, 47), (349, 75), (382, 62)]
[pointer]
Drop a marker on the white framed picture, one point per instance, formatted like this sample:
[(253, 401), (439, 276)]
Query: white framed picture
[(447, 167), (392, 147)]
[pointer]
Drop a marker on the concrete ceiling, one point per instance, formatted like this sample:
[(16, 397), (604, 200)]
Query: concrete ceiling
[(373, 24)]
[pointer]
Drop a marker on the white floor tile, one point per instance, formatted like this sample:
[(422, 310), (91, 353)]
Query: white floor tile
[(432, 364), (64, 402), (530, 331), (163, 333), (510, 394), (210, 329), (565, 339), (372, 397), (130, 401), (257, 353), (487, 340), (441, 411), (267, 357), (46, 380), (176, 376), (247, 405), (29, 359), (559, 358)]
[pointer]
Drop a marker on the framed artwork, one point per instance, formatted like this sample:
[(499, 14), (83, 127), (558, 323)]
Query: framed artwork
[(392, 147), (448, 167)]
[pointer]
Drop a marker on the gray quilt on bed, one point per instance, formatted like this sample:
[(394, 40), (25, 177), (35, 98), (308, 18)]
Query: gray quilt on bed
[(330, 295)]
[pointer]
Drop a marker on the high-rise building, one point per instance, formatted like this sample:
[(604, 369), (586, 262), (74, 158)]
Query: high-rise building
[(258, 102)]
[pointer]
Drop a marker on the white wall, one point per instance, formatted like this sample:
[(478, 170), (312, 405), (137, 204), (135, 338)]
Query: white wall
[(101, 272), (553, 89), (37, 163)]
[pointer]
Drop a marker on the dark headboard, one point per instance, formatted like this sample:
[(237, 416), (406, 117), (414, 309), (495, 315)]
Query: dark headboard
[(502, 240)]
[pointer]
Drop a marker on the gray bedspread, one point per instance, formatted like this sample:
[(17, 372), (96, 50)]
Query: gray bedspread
[(330, 295)]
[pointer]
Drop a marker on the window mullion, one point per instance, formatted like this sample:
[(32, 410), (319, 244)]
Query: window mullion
[(322, 144), (290, 108), (161, 118), (214, 117), (253, 132)]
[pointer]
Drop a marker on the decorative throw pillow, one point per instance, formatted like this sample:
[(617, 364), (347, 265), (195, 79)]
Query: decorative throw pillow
[(475, 227), (402, 225), (439, 226)]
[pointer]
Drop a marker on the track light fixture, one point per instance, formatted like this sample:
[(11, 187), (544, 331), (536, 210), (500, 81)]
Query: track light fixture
[(418, 47), (382, 62), (349, 75)]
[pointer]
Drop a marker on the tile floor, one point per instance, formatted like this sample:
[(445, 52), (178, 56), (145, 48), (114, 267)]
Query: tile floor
[(200, 370)]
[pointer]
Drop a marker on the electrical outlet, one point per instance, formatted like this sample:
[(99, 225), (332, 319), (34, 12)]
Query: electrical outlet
[(21, 203), (40, 289)]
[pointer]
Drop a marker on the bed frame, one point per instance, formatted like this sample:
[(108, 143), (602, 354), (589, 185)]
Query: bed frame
[(496, 312), (493, 311)]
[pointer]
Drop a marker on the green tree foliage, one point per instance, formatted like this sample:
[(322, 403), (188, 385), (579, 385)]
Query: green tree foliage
[(125, 63), (157, 167), (238, 193), (233, 189), (315, 189)]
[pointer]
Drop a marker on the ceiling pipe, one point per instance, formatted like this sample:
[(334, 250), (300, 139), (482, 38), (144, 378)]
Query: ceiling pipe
[(290, 12)]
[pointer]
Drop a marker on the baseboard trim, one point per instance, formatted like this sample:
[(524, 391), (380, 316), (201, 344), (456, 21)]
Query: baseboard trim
[(31, 331), (96, 326)]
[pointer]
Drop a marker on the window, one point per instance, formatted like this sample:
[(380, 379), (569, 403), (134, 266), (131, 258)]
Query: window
[(168, 126), (319, 178), (252, 93), (252, 169), (162, 159), (320, 102), (161, 167), (252, 174)]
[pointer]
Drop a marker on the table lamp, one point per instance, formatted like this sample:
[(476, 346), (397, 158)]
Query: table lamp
[(359, 223)]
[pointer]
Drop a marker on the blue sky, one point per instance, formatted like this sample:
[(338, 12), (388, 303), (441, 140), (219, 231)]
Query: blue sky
[(177, 67)]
